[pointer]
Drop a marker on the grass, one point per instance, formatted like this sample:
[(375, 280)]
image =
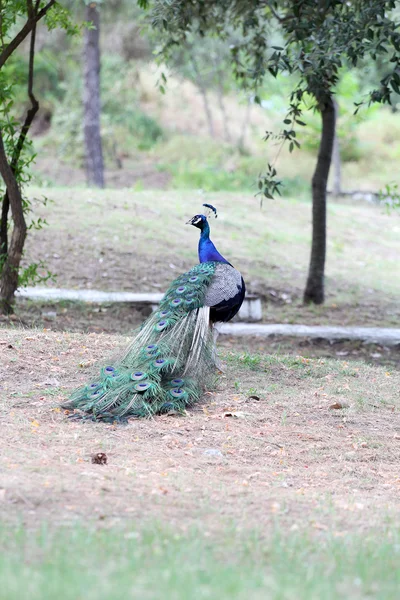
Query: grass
[(138, 241), (155, 562)]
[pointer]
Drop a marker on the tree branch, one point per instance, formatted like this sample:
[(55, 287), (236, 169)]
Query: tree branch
[(19, 145), (22, 34)]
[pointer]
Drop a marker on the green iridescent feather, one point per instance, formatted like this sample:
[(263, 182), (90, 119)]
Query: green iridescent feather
[(168, 364)]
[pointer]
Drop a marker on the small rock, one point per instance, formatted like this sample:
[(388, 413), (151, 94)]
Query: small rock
[(214, 452), (51, 381)]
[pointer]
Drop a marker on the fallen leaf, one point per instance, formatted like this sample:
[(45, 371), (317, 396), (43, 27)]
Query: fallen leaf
[(339, 405), (237, 415)]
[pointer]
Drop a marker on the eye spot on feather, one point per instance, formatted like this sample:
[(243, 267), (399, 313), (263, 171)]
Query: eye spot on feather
[(161, 325), (176, 302), (160, 362), (138, 375), (110, 372), (177, 382), (193, 278), (151, 349), (177, 392), (143, 386), (181, 289)]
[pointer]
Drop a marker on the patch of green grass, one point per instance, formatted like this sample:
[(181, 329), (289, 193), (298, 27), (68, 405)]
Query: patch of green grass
[(153, 563)]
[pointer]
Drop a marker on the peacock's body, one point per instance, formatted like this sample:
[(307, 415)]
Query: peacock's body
[(172, 357)]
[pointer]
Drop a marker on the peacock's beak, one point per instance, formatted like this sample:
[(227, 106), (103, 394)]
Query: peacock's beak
[(190, 222)]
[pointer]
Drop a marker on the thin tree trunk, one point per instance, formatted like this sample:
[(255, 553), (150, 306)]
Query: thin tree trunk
[(9, 275), (203, 92), (245, 124), (30, 115), (221, 103), (91, 99), (337, 163), (220, 95), (314, 291), (11, 256)]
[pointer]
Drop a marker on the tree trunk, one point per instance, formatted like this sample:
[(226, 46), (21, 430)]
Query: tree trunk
[(337, 163), (314, 292), (5, 206), (245, 124), (221, 103), (203, 91), (10, 257), (91, 99), (9, 276)]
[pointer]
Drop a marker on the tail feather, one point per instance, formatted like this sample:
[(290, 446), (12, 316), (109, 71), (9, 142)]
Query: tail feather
[(168, 363)]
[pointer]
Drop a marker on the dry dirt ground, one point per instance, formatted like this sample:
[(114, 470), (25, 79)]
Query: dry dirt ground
[(266, 446)]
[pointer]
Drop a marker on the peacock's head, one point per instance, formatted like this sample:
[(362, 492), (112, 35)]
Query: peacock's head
[(200, 221)]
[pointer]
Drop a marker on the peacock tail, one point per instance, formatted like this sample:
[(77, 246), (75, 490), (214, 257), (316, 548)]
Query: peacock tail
[(169, 362)]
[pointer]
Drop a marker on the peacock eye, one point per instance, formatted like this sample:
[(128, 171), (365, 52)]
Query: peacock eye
[(94, 385), (160, 362), (151, 349), (138, 375), (164, 313), (177, 382), (176, 301), (177, 392), (143, 386), (181, 289), (110, 372), (193, 278)]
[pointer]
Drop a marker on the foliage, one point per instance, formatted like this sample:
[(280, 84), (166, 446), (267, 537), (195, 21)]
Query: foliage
[(16, 72), (124, 126), (390, 197), (319, 40)]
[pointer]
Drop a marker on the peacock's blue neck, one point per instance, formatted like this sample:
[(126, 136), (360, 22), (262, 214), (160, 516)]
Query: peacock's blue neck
[(207, 250)]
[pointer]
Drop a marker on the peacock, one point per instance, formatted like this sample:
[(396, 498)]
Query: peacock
[(172, 358)]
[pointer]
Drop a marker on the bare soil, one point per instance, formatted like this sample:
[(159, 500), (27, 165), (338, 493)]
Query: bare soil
[(265, 446)]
